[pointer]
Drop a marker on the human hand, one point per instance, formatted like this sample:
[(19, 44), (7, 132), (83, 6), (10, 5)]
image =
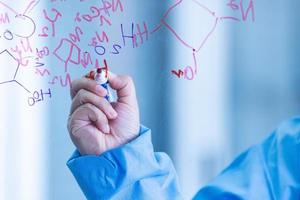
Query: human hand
[(95, 125)]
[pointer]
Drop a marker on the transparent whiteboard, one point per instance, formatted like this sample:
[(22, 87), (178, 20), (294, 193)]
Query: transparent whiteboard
[(179, 53)]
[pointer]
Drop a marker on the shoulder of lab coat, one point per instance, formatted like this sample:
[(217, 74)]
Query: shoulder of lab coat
[(269, 170)]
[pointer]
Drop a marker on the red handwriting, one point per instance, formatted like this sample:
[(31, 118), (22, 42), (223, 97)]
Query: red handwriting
[(97, 13), (99, 39), (87, 38), (62, 81), (94, 16), (42, 72), (22, 48), (45, 29), (4, 18), (72, 55), (188, 72), (236, 5), (28, 22), (43, 52), (75, 37)]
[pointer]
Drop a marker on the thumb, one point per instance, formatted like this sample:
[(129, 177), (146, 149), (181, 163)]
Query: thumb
[(125, 88)]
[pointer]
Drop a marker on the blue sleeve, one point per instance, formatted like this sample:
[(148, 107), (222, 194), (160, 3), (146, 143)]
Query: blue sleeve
[(132, 171), (270, 170)]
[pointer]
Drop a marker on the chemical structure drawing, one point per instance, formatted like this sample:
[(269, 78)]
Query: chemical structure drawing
[(11, 73), (82, 45), (10, 76), (189, 72), (10, 63)]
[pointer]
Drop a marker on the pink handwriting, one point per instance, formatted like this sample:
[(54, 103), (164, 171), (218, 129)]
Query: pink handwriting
[(45, 29), (4, 18), (22, 48), (99, 39)]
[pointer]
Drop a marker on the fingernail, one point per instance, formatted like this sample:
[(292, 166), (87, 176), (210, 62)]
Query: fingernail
[(113, 114)]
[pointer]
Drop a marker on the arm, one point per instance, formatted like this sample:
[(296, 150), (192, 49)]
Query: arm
[(129, 169), (118, 161), (132, 171), (270, 170)]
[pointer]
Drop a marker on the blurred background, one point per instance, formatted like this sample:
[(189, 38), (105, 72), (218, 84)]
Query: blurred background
[(246, 84)]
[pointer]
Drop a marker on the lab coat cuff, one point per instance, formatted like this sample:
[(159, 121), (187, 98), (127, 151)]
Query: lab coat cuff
[(102, 176), (143, 130)]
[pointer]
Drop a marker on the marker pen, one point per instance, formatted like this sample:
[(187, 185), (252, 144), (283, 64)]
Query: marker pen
[(101, 77)]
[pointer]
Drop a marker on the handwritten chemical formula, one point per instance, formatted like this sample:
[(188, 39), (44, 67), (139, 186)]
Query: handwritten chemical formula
[(76, 38), (244, 9)]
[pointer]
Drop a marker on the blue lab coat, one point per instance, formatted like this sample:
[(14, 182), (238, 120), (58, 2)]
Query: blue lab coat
[(269, 170)]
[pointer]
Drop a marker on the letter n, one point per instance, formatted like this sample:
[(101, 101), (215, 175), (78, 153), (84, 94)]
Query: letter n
[(246, 13), (4, 19)]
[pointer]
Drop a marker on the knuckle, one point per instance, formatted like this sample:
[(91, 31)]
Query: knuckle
[(81, 95), (102, 102), (103, 119), (128, 79), (81, 92), (88, 84), (95, 99), (88, 106)]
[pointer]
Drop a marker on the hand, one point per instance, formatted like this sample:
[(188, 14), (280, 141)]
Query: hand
[(95, 125)]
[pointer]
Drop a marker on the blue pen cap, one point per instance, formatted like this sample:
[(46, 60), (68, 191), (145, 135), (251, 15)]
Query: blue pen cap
[(102, 79)]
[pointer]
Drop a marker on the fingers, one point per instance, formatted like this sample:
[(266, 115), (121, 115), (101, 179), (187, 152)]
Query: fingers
[(125, 88), (84, 96), (88, 85), (89, 112), (98, 118)]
